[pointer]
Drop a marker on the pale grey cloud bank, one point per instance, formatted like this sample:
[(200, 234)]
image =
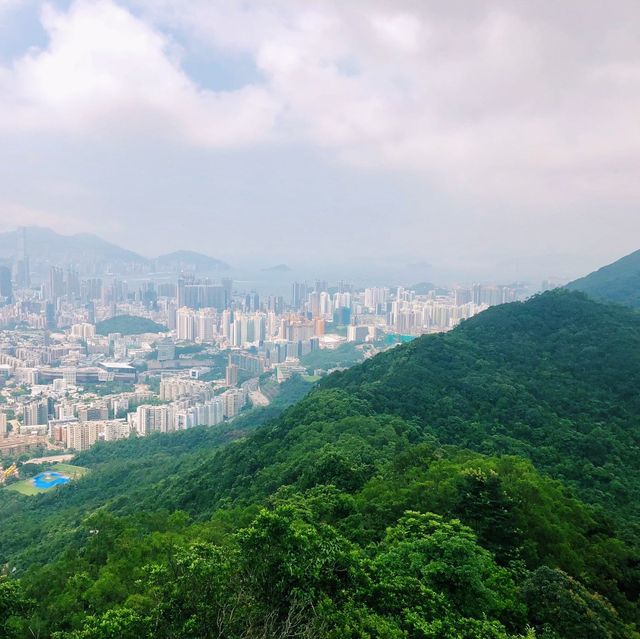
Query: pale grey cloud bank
[(451, 132)]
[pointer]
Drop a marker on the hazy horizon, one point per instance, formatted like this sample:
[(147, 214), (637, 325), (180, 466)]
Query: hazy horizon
[(389, 270)]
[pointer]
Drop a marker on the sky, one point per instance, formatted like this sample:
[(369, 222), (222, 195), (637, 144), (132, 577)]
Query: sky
[(497, 138)]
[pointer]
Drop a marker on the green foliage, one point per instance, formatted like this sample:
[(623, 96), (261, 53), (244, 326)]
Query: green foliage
[(562, 608), (289, 574), (289, 392), (13, 605), (553, 379), (128, 325), (344, 355), (109, 388), (118, 623)]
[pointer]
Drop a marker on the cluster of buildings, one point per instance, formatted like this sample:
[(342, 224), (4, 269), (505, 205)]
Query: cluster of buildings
[(187, 412), (56, 368), (72, 420)]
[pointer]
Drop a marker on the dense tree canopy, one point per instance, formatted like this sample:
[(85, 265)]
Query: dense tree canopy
[(128, 325)]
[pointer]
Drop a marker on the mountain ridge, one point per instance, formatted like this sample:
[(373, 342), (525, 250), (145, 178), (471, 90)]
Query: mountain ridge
[(617, 282), (45, 244), (49, 244)]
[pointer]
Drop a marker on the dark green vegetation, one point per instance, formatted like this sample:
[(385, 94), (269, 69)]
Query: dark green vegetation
[(554, 380), (476, 485), (618, 282), (128, 325), (343, 356), (109, 388), (286, 394)]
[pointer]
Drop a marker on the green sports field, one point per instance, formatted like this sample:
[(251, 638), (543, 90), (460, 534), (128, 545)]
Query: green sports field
[(28, 487)]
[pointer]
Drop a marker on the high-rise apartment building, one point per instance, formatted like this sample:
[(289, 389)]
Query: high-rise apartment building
[(56, 284), (231, 375), (197, 295), (36, 413), (298, 294)]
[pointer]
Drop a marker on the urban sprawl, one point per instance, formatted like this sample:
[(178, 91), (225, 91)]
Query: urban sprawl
[(214, 349)]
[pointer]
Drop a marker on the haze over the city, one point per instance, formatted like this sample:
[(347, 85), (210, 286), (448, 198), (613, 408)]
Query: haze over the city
[(484, 139)]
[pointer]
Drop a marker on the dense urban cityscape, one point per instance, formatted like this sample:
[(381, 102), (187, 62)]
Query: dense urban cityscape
[(106, 351)]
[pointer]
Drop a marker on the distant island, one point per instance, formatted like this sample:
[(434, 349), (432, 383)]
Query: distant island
[(279, 268), (190, 260), (129, 325)]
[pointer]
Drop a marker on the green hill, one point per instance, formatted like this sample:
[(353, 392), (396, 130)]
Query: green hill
[(129, 325), (618, 282), (553, 379), (480, 484)]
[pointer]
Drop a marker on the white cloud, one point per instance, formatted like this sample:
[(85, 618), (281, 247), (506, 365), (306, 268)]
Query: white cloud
[(107, 73), (520, 113), (506, 101)]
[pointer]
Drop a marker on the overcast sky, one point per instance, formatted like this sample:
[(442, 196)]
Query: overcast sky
[(463, 134)]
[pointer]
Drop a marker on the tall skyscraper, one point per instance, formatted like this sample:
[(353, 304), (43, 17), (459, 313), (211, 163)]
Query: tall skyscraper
[(6, 290), (91, 312), (199, 295), (23, 277), (56, 284), (298, 294), (227, 284), (232, 375), (185, 324), (50, 315), (72, 287)]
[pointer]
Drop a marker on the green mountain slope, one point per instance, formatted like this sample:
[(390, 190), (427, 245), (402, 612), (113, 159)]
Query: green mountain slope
[(618, 282), (554, 379), (361, 511)]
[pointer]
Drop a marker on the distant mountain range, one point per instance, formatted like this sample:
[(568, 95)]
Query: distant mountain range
[(278, 268), (44, 245), (618, 282)]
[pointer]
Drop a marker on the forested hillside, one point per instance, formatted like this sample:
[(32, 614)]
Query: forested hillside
[(554, 379), (618, 282), (128, 325), (481, 484)]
